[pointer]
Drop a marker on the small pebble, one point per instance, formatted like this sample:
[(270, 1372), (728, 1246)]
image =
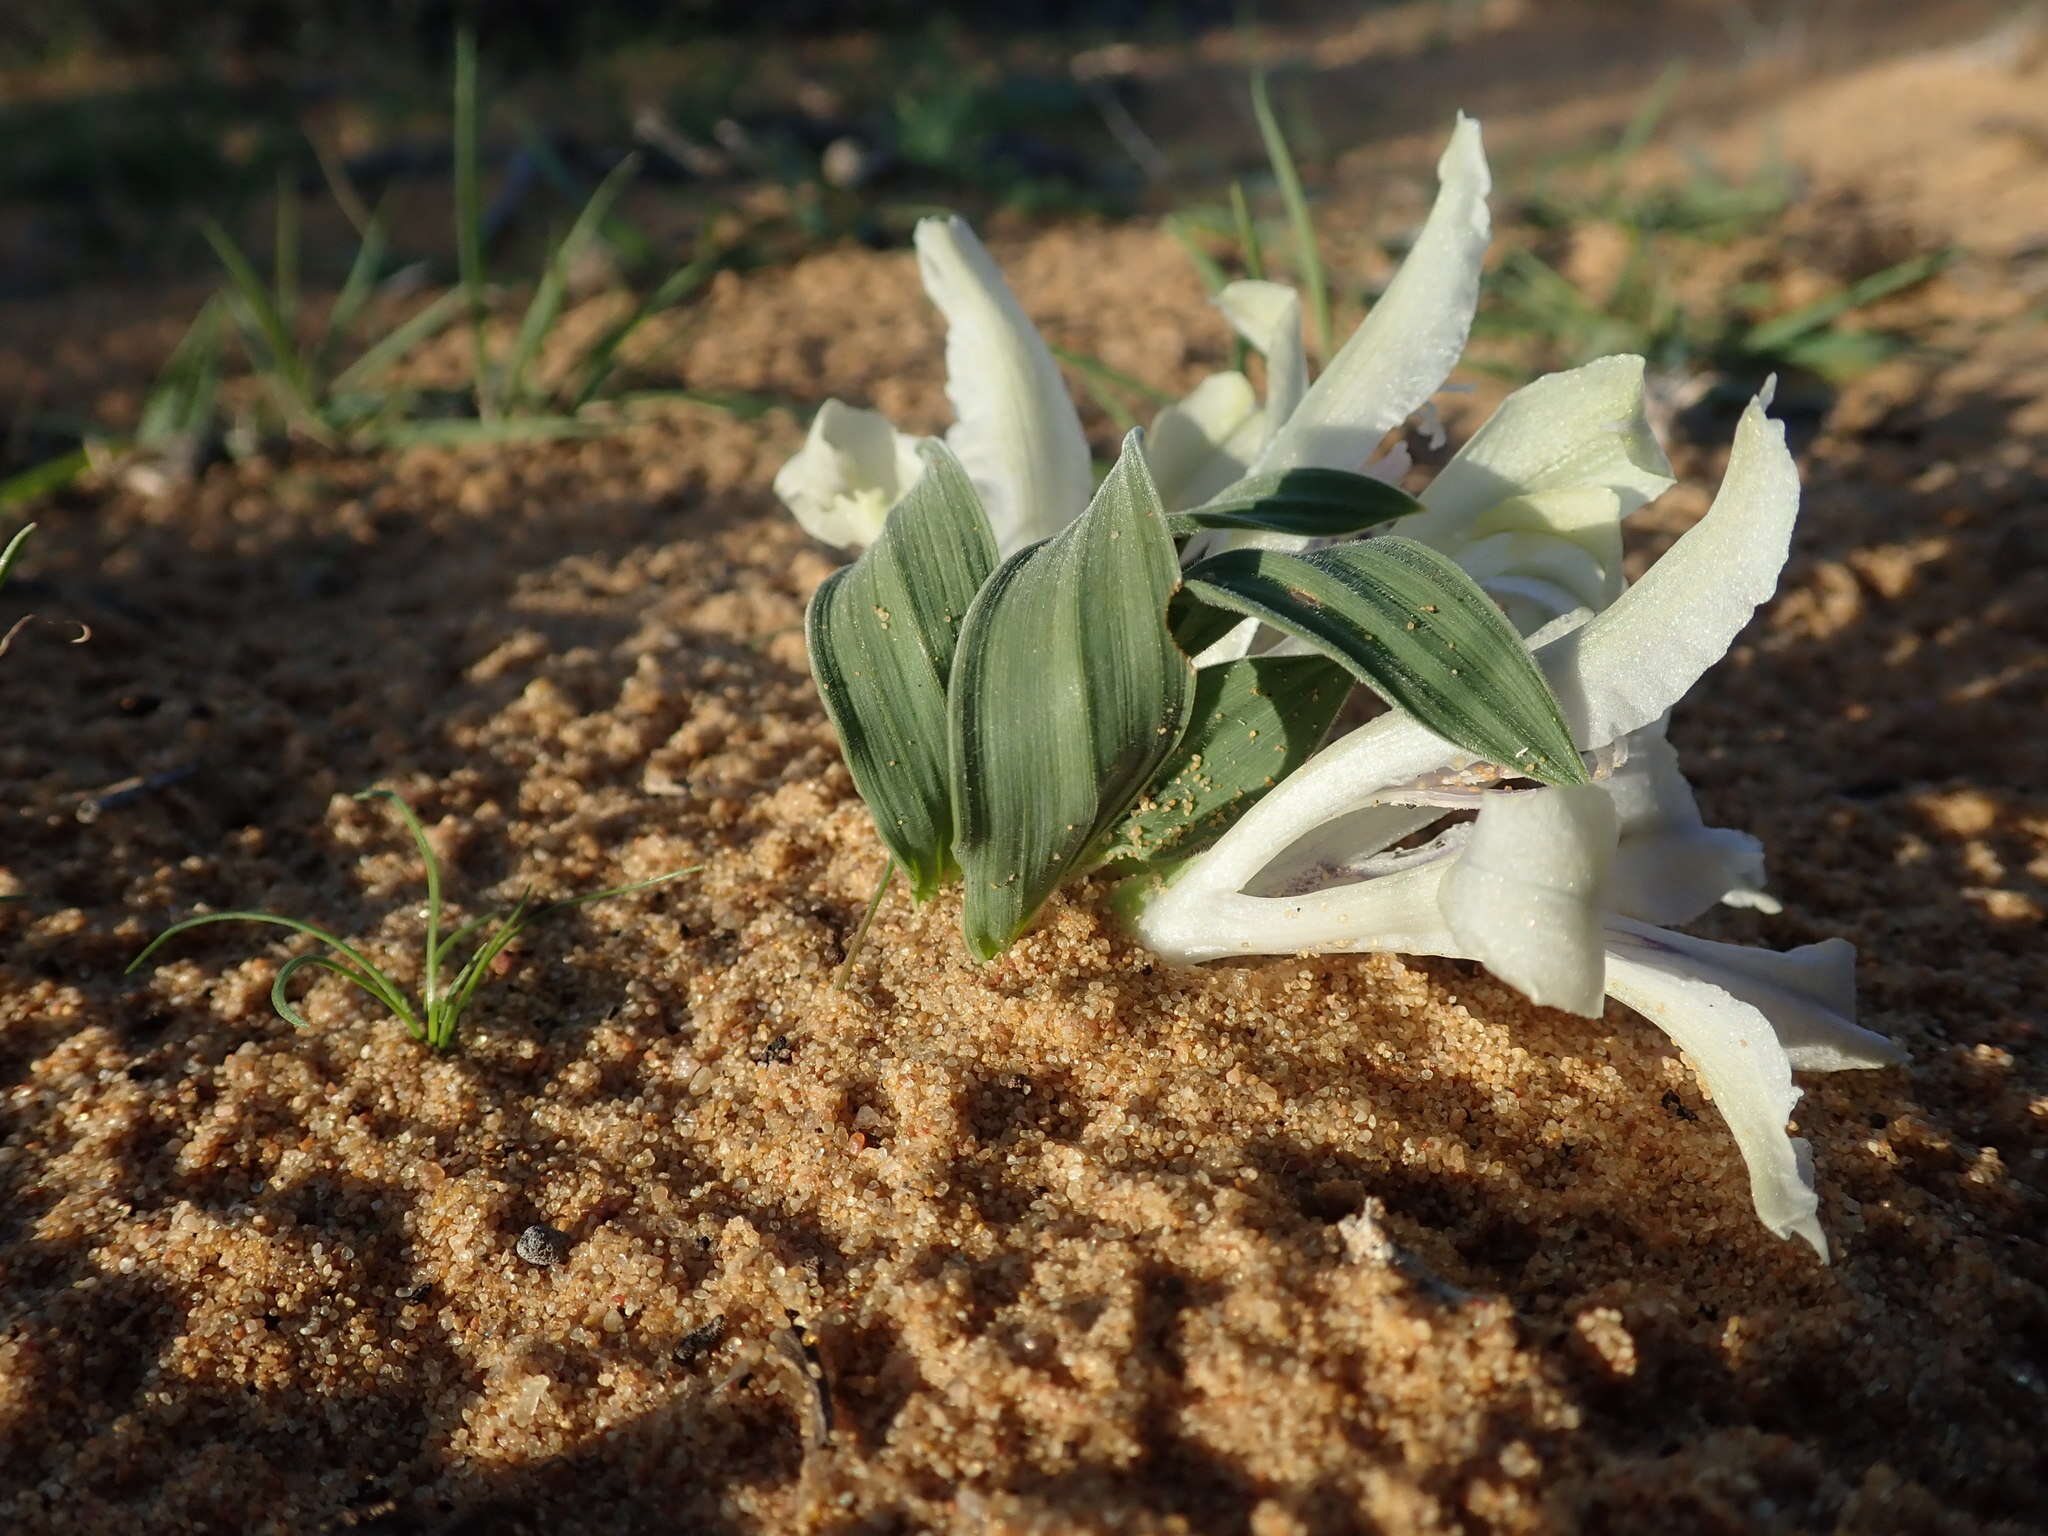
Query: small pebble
[(542, 1245)]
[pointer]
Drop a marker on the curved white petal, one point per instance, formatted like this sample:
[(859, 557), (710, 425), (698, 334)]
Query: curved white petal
[(1395, 914), (1268, 315), (1637, 659), (1348, 775), (1017, 432), (1589, 516), (1583, 427), (1672, 876), (852, 468), (1671, 866), (1412, 338), (1808, 994), (1562, 563), (1204, 442), (1738, 1056), (1524, 898), (1343, 849)]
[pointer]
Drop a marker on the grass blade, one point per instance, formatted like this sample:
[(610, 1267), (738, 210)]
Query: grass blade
[(285, 257), (1296, 200), (463, 432), (546, 305), (372, 983), (422, 327), (1247, 233), (1213, 277), (12, 552), (356, 289), (180, 405), (40, 480), (599, 362), (1772, 335), (287, 372), (469, 218), (431, 981)]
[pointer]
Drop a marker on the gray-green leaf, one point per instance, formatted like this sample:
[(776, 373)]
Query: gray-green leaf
[(1068, 693), (1416, 629), (1314, 503), (882, 634), (1254, 722)]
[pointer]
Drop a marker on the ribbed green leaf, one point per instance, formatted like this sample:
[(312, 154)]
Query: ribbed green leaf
[(1318, 503), (1417, 630), (882, 633), (1068, 694), (1254, 722)]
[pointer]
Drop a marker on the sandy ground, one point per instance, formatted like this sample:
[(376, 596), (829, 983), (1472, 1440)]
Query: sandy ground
[(1070, 1242)]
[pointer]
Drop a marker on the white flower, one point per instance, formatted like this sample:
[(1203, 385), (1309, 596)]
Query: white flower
[(1016, 430), (1531, 507), (1555, 890), (851, 470), (1019, 436)]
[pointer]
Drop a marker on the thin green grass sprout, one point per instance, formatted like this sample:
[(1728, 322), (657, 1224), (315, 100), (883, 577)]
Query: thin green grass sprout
[(433, 1017)]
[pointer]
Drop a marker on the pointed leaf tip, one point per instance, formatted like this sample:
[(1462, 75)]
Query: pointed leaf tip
[(1417, 630), (1068, 694), (882, 634)]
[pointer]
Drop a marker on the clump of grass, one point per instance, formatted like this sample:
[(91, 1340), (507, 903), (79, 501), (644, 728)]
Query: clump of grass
[(434, 1017), (1666, 224), (505, 400)]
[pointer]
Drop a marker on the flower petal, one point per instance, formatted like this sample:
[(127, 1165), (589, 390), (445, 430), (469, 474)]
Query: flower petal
[(1017, 432), (1268, 315), (1671, 866), (1584, 427), (1204, 442), (1808, 994), (1637, 659), (852, 468), (1523, 898), (1412, 339), (1738, 1057), (1348, 775), (1544, 557), (1589, 516), (1395, 913)]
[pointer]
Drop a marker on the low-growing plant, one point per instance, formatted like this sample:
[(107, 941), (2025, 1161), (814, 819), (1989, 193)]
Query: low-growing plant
[(505, 399), (433, 1017), (1031, 682)]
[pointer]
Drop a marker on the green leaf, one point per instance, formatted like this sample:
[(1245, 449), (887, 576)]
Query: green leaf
[(431, 320), (12, 551), (882, 633), (469, 216), (1068, 693), (278, 356), (1417, 630), (40, 480), (180, 403), (545, 308), (1317, 503), (1254, 722), (1306, 250)]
